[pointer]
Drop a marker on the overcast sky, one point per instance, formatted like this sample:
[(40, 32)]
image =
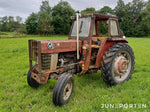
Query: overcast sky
[(23, 8)]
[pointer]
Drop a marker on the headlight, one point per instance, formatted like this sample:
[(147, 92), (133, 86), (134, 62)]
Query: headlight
[(50, 45)]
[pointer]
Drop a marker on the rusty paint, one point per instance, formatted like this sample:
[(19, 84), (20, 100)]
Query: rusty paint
[(97, 23), (80, 63), (88, 54), (117, 40), (30, 60), (104, 46), (52, 71), (43, 78), (84, 51), (106, 43), (39, 56), (60, 46)]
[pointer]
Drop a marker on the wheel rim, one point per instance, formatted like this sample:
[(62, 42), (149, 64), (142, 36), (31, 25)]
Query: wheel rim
[(121, 66), (67, 90)]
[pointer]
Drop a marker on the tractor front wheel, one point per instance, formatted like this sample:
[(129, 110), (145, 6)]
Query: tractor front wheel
[(63, 89), (30, 80), (118, 64)]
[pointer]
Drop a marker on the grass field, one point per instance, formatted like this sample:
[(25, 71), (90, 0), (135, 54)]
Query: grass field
[(90, 92)]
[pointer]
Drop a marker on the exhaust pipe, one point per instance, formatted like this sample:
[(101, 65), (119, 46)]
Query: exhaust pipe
[(77, 18)]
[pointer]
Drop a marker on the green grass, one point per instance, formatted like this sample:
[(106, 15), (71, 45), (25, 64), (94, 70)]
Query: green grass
[(90, 91), (11, 35), (7, 33)]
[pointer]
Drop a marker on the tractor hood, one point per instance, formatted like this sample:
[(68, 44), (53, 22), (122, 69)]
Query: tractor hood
[(57, 46)]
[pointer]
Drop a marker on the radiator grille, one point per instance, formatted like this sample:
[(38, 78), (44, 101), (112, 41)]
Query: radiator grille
[(45, 61)]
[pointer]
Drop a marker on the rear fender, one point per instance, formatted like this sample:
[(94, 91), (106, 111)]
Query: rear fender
[(106, 43)]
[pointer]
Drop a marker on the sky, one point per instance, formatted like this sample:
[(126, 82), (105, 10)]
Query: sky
[(24, 8)]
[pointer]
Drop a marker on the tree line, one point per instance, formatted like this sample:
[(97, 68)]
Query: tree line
[(11, 24), (56, 20)]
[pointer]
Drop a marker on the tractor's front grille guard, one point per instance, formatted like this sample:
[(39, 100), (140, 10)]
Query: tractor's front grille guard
[(43, 61), (33, 53), (33, 50)]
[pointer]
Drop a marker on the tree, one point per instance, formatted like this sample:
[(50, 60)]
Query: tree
[(88, 10), (145, 23), (133, 10), (130, 13), (18, 19), (40, 23), (44, 23), (4, 23), (120, 9), (106, 10), (11, 19), (45, 7), (18, 24), (11, 23), (45, 19), (32, 23), (61, 17), (120, 12), (8, 23)]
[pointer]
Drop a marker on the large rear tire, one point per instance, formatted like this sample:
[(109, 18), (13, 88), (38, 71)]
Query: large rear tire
[(118, 64), (31, 81), (63, 89)]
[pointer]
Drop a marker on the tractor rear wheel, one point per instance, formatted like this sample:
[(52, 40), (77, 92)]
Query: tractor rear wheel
[(118, 64), (63, 89), (30, 80)]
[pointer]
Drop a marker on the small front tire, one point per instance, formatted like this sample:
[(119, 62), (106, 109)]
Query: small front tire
[(30, 80), (63, 89)]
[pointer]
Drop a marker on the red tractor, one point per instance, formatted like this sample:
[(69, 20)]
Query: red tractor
[(85, 50)]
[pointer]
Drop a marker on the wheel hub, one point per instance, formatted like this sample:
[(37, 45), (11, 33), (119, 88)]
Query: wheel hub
[(67, 91), (122, 65)]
